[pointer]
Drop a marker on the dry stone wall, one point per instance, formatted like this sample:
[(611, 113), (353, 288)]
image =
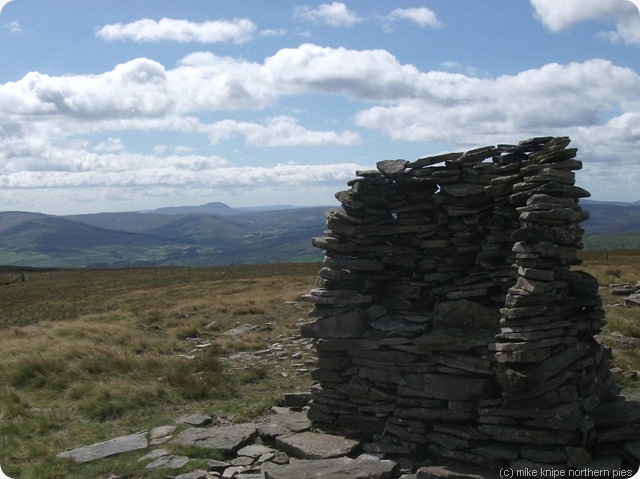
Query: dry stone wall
[(449, 320)]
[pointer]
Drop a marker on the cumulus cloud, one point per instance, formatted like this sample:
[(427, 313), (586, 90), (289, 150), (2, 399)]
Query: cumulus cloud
[(421, 16), (135, 88), (334, 14), (279, 131), (239, 30), (558, 16), (551, 98), (111, 144), (45, 120)]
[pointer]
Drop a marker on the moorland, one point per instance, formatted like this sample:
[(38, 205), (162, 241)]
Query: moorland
[(91, 354)]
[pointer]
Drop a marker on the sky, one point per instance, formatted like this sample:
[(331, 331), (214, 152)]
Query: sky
[(124, 105)]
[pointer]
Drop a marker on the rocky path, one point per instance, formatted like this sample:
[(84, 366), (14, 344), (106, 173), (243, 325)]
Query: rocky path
[(281, 445)]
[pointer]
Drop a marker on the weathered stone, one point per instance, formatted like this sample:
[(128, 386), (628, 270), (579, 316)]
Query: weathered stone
[(225, 439), (453, 472), (310, 445), (392, 168), (168, 462), (281, 424), (195, 419), (336, 468), (119, 445), (442, 386), (193, 475), (349, 325)]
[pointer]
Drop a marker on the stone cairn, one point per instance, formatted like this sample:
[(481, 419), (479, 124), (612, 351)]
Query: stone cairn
[(449, 322)]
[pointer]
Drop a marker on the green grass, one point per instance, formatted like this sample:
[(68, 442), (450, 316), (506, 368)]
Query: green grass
[(89, 355)]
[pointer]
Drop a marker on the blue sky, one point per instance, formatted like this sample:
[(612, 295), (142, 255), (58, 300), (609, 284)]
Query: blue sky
[(128, 105)]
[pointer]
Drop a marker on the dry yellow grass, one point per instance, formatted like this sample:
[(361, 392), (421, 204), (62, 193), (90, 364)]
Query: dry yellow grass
[(89, 355)]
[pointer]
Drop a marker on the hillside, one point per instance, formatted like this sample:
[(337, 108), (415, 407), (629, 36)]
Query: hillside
[(216, 234), (155, 239)]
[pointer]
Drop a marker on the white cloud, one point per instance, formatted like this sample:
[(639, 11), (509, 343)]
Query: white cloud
[(278, 131), (45, 120), (552, 99), (111, 145), (271, 32), (334, 14), (135, 88), (239, 30), (560, 15), (627, 31), (12, 27), (421, 16)]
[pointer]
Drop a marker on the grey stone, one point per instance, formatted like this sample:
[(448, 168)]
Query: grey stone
[(168, 462), (254, 450), (443, 386), (281, 424), (226, 439), (119, 445), (215, 465), (392, 168), (453, 472), (193, 475), (162, 431), (336, 468), (155, 454), (310, 445), (195, 419)]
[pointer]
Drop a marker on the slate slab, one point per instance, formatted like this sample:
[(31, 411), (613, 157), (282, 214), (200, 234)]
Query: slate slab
[(311, 445), (282, 424), (226, 439), (450, 472), (194, 419), (168, 462), (112, 447), (335, 468)]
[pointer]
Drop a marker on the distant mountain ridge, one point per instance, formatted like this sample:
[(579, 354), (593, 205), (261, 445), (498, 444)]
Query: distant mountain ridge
[(180, 236), (217, 234)]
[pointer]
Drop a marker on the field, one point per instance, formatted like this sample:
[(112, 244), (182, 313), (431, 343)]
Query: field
[(88, 355)]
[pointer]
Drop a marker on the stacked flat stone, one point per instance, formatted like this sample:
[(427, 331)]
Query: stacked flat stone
[(447, 316)]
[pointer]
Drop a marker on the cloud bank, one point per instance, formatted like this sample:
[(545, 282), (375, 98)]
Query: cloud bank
[(49, 124)]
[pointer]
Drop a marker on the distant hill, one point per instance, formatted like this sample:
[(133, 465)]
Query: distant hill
[(220, 209), (216, 234), (159, 239)]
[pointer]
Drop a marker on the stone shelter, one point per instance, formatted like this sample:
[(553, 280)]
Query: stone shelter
[(450, 320)]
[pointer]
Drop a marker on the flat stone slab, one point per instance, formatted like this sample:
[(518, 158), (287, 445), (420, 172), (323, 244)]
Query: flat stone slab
[(226, 439), (447, 472), (112, 447), (282, 424), (195, 419), (161, 431), (336, 468), (194, 475), (168, 462), (311, 445), (155, 454), (255, 450)]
